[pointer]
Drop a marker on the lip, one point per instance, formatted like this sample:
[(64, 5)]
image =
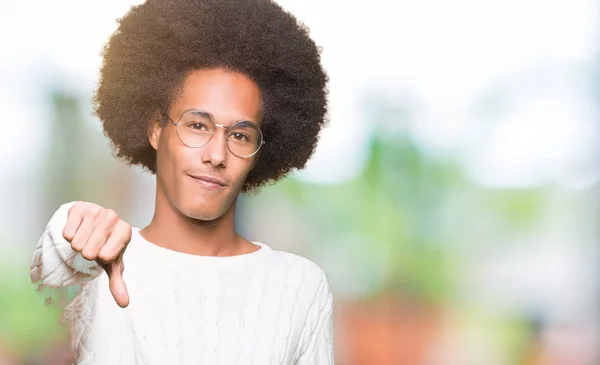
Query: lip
[(208, 182)]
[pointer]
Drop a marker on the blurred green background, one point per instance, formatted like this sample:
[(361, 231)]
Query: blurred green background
[(452, 201)]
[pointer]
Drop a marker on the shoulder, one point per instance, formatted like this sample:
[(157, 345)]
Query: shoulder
[(290, 261), (301, 271)]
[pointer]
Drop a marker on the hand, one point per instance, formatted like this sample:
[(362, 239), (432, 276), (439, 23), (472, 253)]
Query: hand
[(100, 235)]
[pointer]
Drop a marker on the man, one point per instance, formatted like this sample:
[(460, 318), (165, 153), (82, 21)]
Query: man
[(215, 97)]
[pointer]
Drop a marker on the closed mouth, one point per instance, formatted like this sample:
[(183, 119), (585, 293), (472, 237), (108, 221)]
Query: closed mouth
[(209, 179)]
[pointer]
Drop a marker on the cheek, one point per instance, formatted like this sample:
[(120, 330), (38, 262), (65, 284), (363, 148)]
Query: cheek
[(239, 170), (169, 157)]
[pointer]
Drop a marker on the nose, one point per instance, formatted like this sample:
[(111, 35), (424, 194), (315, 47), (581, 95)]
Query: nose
[(215, 151)]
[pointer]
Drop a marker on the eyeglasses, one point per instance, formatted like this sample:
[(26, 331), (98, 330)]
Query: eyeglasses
[(195, 128)]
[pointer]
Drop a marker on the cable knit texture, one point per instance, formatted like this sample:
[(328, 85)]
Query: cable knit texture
[(265, 307)]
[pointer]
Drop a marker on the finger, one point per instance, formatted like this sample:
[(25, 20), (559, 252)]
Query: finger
[(103, 226), (74, 219), (117, 286), (85, 230), (117, 242)]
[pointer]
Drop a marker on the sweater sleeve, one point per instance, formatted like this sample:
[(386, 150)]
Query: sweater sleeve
[(54, 263), (317, 341)]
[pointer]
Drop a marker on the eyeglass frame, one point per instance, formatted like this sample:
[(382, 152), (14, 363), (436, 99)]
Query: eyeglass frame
[(212, 133)]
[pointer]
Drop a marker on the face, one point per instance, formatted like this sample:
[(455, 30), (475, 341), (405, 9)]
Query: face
[(204, 182)]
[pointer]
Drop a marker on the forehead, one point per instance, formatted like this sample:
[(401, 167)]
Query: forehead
[(227, 95)]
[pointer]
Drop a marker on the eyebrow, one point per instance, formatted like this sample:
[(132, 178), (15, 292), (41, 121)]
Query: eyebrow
[(212, 117)]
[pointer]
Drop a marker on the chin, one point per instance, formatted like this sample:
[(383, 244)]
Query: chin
[(204, 210)]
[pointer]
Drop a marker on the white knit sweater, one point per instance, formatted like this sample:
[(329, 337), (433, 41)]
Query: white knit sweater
[(265, 307)]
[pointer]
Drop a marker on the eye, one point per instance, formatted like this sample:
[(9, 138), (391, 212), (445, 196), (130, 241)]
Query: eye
[(239, 136), (197, 126)]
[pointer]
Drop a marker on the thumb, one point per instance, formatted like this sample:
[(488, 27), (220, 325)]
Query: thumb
[(117, 286)]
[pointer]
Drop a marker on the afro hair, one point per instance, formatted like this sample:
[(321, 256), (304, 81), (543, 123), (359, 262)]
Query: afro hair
[(158, 43)]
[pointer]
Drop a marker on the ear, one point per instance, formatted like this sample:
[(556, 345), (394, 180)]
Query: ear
[(154, 132)]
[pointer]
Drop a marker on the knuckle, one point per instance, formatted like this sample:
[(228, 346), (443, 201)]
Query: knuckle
[(77, 210), (127, 232), (88, 255), (94, 210), (122, 231), (106, 256), (67, 235), (89, 215), (76, 246), (112, 216)]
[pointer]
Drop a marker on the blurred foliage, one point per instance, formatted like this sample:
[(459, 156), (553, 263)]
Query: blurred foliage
[(391, 208), (522, 207), (28, 319), (26, 322), (400, 225)]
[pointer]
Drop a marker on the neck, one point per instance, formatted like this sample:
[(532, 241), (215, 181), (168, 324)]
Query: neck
[(171, 229)]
